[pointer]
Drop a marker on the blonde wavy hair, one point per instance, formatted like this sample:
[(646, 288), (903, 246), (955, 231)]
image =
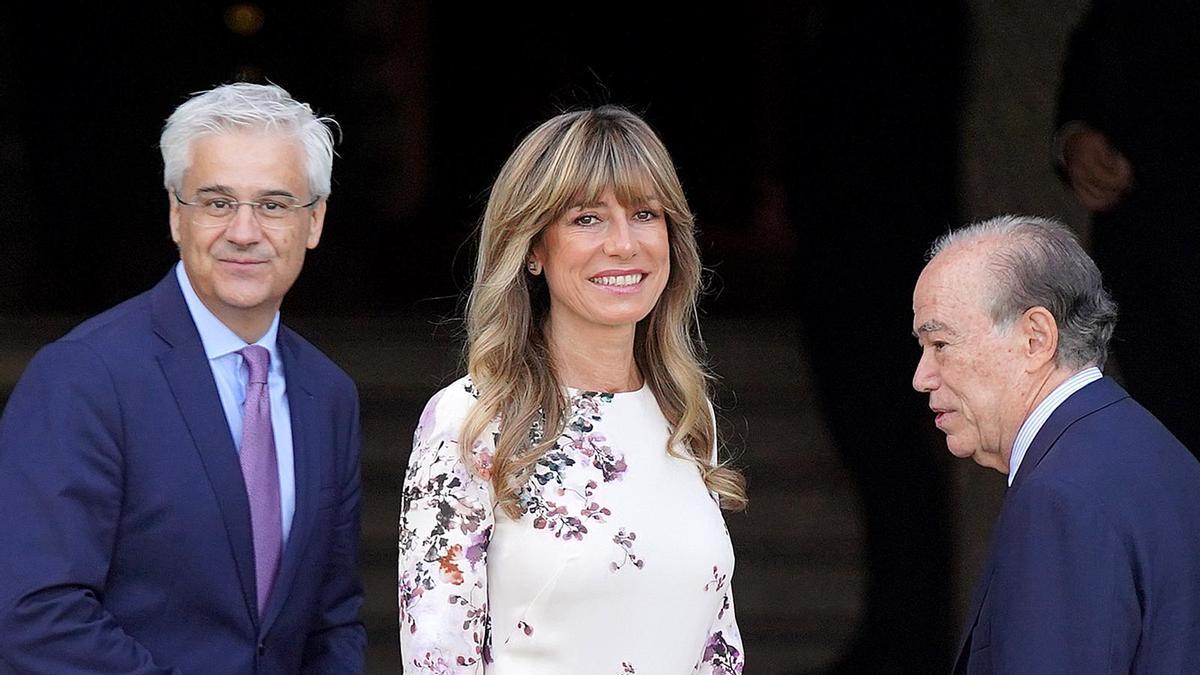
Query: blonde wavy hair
[(569, 160)]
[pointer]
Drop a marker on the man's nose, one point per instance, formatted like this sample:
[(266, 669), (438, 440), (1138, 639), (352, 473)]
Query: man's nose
[(243, 228), (925, 378)]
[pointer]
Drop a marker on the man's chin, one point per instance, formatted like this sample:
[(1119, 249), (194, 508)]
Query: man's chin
[(959, 451), (989, 460)]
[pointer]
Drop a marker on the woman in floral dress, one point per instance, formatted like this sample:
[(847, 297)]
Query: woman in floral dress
[(562, 508)]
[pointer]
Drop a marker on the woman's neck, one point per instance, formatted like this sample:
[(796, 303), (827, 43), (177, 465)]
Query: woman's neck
[(597, 359)]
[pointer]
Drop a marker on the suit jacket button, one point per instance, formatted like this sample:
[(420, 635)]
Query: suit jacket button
[(262, 648)]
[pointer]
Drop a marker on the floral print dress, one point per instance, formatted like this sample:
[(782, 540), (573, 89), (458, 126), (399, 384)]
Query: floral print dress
[(619, 564)]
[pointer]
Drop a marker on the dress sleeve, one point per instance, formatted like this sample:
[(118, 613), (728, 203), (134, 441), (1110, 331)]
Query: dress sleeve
[(445, 526), (723, 652)]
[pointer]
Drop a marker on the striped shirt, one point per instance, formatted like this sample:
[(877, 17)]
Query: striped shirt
[(1033, 423)]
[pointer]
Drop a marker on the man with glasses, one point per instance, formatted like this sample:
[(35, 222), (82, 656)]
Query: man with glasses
[(179, 476)]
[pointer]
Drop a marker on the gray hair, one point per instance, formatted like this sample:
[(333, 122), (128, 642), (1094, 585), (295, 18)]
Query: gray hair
[(1039, 262), (241, 106)]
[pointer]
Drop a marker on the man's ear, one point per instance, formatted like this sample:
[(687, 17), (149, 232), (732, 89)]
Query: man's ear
[(173, 216), (316, 224), (1039, 336)]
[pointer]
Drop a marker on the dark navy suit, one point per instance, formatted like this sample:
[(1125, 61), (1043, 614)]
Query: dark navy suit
[(1095, 561), (125, 543)]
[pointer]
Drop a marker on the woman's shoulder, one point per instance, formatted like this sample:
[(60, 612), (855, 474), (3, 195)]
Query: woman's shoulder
[(448, 408), (460, 393), (437, 436)]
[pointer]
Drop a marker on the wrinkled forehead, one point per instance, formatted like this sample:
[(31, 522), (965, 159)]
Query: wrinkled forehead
[(952, 284), (965, 264)]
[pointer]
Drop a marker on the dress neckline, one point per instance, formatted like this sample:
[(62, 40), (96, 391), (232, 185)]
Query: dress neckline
[(577, 391)]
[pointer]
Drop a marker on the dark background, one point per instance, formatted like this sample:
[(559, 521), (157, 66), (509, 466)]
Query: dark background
[(821, 144), (432, 98)]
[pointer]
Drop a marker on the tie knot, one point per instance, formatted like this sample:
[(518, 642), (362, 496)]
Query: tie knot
[(258, 360)]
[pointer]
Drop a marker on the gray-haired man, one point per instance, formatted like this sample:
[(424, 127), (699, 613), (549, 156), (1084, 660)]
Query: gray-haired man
[(179, 487), (1094, 560)]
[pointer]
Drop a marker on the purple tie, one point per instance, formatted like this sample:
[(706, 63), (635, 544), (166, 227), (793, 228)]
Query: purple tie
[(261, 471)]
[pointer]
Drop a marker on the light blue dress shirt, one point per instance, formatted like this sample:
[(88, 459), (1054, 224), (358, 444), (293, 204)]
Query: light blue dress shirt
[(231, 374), (1041, 413)]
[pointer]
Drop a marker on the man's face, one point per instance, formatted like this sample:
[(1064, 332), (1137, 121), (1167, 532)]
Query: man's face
[(971, 371), (240, 269)]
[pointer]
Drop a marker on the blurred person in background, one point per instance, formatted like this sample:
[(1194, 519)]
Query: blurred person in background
[(1128, 147)]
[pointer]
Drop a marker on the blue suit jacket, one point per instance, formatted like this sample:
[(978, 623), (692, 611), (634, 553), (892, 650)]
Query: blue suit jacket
[(126, 544), (1095, 561)]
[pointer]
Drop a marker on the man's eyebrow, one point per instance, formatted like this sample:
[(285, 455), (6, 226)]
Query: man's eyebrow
[(226, 190), (219, 189), (276, 192), (931, 326)]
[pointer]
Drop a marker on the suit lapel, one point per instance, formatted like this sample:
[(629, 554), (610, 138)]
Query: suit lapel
[(977, 598), (306, 461), (190, 378), (1096, 395)]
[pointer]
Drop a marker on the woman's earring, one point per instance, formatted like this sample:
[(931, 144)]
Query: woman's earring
[(534, 267)]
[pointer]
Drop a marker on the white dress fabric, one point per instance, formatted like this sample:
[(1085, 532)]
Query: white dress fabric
[(620, 563)]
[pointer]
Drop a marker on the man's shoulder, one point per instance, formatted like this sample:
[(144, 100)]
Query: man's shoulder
[(1102, 423), (117, 323), (95, 357), (318, 366), (1123, 431), (117, 338), (1120, 455)]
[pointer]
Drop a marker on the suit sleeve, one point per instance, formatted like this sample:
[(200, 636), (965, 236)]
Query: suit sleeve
[(338, 643), (61, 473), (446, 523), (1065, 587)]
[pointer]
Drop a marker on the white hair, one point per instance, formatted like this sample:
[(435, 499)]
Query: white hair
[(1038, 262), (242, 106)]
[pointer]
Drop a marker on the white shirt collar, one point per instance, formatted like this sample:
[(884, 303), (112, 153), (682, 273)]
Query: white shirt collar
[(1041, 413), (217, 338)]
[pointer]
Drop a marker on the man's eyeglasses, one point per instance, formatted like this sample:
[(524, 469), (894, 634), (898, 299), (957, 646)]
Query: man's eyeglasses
[(270, 212)]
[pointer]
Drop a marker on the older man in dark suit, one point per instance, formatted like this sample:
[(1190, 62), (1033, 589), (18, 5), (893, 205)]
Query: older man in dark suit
[(1095, 562), (179, 476)]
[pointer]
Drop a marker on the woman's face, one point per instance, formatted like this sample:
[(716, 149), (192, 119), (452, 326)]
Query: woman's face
[(606, 264)]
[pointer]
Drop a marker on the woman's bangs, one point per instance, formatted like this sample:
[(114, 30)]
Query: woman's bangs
[(616, 167)]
